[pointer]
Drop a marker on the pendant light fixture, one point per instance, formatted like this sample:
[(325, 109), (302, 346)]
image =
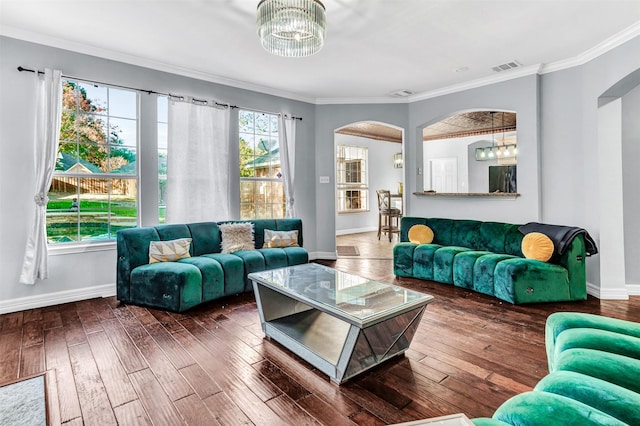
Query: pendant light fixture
[(495, 151), (291, 28)]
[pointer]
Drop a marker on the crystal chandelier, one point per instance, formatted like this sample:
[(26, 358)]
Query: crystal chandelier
[(291, 28)]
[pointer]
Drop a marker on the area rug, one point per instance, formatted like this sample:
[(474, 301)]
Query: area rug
[(347, 251), (23, 403)]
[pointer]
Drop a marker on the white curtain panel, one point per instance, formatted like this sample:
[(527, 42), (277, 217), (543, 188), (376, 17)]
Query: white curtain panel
[(197, 163), (288, 160), (48, 104)]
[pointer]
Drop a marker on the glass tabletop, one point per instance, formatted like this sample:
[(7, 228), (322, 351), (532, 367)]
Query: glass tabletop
[(339, 291)]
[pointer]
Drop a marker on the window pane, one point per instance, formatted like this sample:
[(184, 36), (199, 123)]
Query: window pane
[(246, 121), (122, 103), (92, 98), (247, 191), (163, 109), (247, 167), (262, 124), (122, 160), (62, 210), (123, 132), (94, 208), (90, 128), (93, 159), (163, 130)]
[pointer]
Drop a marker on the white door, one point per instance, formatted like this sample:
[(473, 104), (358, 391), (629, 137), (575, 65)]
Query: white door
[(443, 174)]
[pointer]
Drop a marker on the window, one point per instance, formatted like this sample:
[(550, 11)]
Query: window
[(94, 190), (163, 131), (261, 185), (352, 179)]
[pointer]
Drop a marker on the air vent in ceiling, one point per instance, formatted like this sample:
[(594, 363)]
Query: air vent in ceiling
[(401, 93), (507, 66)]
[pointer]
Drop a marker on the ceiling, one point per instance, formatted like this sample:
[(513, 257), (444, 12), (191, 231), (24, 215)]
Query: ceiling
[(373, 47)]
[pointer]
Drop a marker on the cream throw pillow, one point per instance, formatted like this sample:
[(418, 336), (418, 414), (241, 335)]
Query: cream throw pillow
[(280, 238), (169, 251), (536, 245), (237, 236)]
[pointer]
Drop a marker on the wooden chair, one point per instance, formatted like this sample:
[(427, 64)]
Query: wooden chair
[(388, 216)]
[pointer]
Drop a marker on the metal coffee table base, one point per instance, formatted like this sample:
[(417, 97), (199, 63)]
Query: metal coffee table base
[(337, 348)]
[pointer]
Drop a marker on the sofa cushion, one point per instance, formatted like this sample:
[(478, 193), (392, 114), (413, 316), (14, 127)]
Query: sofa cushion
[(403, 262), (536, 245), (237, 236), (253, 262), (484, 272), (423, 260), (465, 233), (443, 263), (233, 272), (296, 255), (492, 236), (169, 251), (274, 257), (528, 281), (173, 232), (558, 322), (442, 229), (206, 238), (464, 267), (618, 369), (548, 409), (607, 397), (602, 340), (167, 285), (212, 276)]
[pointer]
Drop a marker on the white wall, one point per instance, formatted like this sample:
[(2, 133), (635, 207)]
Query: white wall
[(382, 175), (631, 183)]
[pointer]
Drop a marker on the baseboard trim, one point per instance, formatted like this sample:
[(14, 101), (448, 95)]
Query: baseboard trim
[(633, 289), (356, 230), (57, 298), (608, 294), (323, 255)]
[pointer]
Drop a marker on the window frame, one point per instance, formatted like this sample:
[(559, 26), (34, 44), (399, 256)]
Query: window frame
[(346, 185), (89, 245), (255, 136)]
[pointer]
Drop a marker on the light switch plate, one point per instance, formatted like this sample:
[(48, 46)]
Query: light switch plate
[(324, 179)]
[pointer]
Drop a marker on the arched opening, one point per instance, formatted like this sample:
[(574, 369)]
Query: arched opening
[(369, 156), (471, 152)]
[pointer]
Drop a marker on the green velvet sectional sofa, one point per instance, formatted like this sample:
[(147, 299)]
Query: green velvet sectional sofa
[(594, 376), (487, 257), (207, 275)]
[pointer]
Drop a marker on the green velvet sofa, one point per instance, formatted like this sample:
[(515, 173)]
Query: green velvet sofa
[(486, 257), (207, 275), (594, 376)]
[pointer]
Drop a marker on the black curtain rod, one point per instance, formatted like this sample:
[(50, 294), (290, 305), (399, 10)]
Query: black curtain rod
[(149, 92)]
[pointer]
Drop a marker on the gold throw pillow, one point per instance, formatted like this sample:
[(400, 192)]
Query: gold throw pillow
[(536, 245), (420, 234)]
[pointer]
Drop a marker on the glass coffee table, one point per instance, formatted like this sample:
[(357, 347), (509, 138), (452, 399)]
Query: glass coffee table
[(340, 323)]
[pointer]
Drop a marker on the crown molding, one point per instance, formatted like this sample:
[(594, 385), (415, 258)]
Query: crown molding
[(86, 49), (611, 43), (500, 77), (618, 39)]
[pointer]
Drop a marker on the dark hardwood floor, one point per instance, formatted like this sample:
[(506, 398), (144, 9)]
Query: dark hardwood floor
[(109, 363)]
